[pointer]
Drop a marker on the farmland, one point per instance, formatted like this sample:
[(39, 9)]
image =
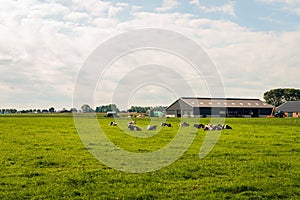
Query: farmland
[(42, 157)]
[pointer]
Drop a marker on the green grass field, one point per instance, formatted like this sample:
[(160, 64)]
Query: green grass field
[(42, 157)]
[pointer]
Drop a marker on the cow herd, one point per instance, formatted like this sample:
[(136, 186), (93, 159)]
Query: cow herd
[(209, 127), (212, 127)]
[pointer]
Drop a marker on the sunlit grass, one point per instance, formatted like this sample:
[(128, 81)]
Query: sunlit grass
[(42, 157)]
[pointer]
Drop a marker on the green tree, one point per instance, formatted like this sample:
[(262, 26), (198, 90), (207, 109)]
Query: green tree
[(107, 108), (52, 110), (278, 96), (73, 110), (86, 108), (138, 109)]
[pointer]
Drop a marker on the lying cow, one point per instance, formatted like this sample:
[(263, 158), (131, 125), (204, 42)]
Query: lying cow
[(227, 126), (217, 127), (198, 126), (113, 124), (149, 128), (211, 127), (166, 124), (130, 123), (184, 124), (134, 128)]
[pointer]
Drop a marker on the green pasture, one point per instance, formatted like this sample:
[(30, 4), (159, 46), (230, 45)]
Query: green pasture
[(42, 157)]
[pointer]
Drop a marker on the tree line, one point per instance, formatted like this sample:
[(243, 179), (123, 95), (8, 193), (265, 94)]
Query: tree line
[(275, 97), (113, 107), (87, 108), (50, 110), (141, 109), (102, 109)]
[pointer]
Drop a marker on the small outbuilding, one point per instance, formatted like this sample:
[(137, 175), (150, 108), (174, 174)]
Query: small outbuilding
[(111, 114), (290, 109), (218, 107)]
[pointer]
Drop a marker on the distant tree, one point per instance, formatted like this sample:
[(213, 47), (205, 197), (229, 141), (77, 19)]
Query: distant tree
[(52, 110), (86, 108), (146, 109), (278, 96), (13, 110), (73, 110), (107, 108), (160, 108), (138, 109), (113, 107), (8, 111)]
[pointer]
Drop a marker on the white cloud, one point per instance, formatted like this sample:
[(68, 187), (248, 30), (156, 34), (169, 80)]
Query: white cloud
[(295, 10), (45, 44), (77, 16), (42, 49), (257, 62), (227, 8), (94, 8), (281, 1), (113, 11), (47, 10), (292, 6), (168, 5), (136, 8), (250, 62)]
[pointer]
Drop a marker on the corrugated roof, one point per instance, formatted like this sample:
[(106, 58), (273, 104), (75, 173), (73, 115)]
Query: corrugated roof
[(290, 106), (225, 102)]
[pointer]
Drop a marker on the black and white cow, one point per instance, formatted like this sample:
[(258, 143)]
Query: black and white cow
[(130, 123), (226, 126), (166, 124), (149, 128), (113, 124), (134, 127), (184, 124), (211, 127), (198, 126)]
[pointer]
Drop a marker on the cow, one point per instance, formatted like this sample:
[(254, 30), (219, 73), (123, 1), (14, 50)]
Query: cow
[(166, 124), (206, 128), (184, 124), (113, 124), (149, 128), (131, 127), (137, 128), (227, 126), (217, 127), (211, 127), (198, 126), (130, 123), (134, 127)]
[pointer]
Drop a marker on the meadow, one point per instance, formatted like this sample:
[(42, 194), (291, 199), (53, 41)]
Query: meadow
[(42, 157)]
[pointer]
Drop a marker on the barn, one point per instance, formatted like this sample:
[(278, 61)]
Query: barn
[(218, 107), (290, 108)]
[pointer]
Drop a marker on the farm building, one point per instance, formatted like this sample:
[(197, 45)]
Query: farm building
[(290, 108), (218, 107), (111, 114)]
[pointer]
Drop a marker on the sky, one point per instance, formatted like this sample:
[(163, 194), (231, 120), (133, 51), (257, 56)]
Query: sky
[(253, 44)]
